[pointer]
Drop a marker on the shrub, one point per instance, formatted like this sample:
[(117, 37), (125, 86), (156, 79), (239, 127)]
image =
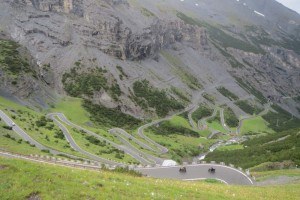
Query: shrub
[(227, 94), (41, 122), (7, 127), (59, 134), (166, 128), (263, 149), (146, 96), (110, 117), (282, 120), (202, 112), (246, 107), (230, 118)]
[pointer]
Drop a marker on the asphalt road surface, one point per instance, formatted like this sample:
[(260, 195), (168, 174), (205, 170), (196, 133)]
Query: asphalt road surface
[(194, 172), (124, 148), (225, 174)]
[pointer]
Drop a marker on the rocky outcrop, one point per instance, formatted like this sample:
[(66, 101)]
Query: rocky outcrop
[(66, 6), (116, 32), (100, 29), (162, 35)]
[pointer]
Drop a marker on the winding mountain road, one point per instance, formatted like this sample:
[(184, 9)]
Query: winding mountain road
[(7, 120), (124, 148), (163, 149), (226, 174), (77, 148), (223, 121), (194, 172)]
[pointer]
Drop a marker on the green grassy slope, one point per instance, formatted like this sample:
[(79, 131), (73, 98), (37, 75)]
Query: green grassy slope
[(12, 142), (276, 147), (255, 126), (22, 180)]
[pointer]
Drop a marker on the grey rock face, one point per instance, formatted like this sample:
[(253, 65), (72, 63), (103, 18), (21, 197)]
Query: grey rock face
[(133, 35), (158, 36), (67, 6)]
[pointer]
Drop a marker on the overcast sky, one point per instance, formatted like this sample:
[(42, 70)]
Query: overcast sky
[(292, 4)]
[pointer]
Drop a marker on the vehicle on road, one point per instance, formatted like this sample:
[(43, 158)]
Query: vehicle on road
[(13, 124), (182, 169), (211, 170)]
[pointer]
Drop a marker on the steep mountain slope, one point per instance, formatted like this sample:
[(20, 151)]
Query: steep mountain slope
[(182, 47)]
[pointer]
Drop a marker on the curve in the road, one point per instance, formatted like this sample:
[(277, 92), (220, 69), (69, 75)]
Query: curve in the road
[(76, 147), (223, 121), (121, 135), (191, 120), (227, 174), (29, 139), (126, 149), (200, 171), (162, 149)]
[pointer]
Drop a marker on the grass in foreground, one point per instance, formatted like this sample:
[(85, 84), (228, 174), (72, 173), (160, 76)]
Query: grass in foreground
[(22, 180)]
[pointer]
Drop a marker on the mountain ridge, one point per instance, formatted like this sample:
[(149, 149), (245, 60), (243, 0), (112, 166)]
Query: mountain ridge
[(168, 43)]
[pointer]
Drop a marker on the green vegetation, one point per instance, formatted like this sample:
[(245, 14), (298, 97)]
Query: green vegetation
[(247, 108), (276, 147), (255, 126), (73, 109), (230, 118), (270, 166), (80, 84), (11, 60), (219, 36), (53, 182), (209, 97), (179, 137), (108, 117), (147, 96), (180, 146), (98, 147), (247, 86), (166, 128), (225, 92), (12, 142), (215, 125), (77, 84), (230, 147), (263, 175), (179, 68), (180, 94), (123, 74), (37, 126), (202, 112), (282, 120), (216, 118), (147, 12)]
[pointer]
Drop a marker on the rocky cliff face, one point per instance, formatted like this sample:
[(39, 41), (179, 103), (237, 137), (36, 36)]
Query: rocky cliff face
[(66, 6), (150, 41), (100, 29)]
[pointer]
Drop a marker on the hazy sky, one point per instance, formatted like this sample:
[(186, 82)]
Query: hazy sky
[(292, 4)]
